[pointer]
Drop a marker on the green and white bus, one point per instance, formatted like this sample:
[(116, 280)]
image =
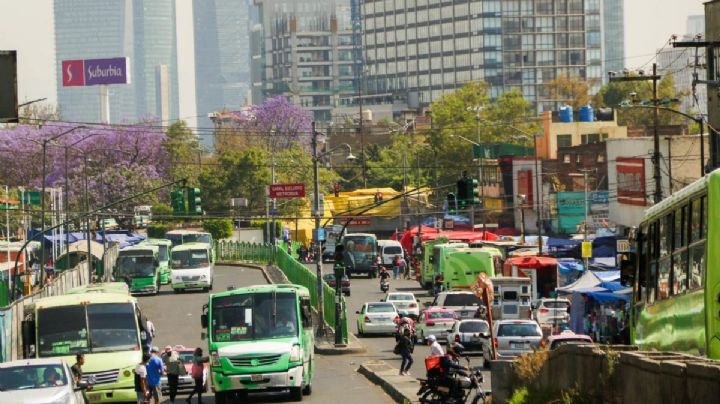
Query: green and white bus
[(260, 338), (178, 237), (191, 267), (101, 322), (427, 274), (139, 267), (676, 279), (164, 247)]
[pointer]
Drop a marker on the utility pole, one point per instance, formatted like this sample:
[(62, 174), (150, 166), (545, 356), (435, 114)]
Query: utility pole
[(658, 196), (585, 230), (316, 214), (669, 153), (538, 198)]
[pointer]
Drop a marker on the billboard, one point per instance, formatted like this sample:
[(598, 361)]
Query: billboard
[(92, 72), (571, 210), (8, 86), (287, 190), (631, 181)]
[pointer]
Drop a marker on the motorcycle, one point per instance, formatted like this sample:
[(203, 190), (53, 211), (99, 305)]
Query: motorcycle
[(384, 286), (456, 387)]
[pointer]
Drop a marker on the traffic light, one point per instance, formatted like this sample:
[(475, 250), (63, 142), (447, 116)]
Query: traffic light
[(194, 201), (462, 189), (452, 203), (177, 200), (473, 192)]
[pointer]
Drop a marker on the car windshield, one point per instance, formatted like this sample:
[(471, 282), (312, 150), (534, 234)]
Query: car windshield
[(406, 298), (380, 308), (135, 265), (32, 377), (197, 238), (392, 250), (519, 330), (64, 330), (462, 299), (474, 326), (552, 304), (163, 252), (436, 315), (190, 259), (254, 316)]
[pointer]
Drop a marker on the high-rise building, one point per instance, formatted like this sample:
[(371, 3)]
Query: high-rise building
[(613, 22), (683, 63), (306, 54), (416, 50), (222, 55), (142, 30)]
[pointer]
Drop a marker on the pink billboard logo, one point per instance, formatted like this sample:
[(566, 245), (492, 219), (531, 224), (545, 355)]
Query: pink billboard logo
[(72, 73)]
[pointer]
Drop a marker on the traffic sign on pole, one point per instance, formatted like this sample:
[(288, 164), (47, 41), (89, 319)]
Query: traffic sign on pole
[(586, 249)]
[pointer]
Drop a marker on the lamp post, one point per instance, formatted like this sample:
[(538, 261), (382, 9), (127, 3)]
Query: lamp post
[(316, 214), (42, 196)]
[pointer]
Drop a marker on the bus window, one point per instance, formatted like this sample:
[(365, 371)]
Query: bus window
[(696, 221), (652, 282), (697, 266), (664, 279), (679, 271)]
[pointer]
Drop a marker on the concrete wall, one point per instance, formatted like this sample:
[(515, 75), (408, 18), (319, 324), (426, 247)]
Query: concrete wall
[(547, 144), (617, 374)]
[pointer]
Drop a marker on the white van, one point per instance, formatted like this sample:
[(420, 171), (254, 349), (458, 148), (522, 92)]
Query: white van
[(191, 267), (388, 250)]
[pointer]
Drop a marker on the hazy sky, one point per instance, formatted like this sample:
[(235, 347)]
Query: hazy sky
[(27, 26)]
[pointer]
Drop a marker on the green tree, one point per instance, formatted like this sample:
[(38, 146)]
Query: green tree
[(218, 228), (184, 153), (157, 230), (236, 173), (573, 90), (161, 213), (398, 164)]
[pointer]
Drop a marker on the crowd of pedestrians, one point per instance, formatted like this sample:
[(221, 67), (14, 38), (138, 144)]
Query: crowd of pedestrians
[(153, 366)]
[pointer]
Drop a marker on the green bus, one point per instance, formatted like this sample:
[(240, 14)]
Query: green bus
[(462, 266), (675, 304), (139, 267), (164, 248), (427, 275), (260, 338), (178, 237), (100, 321), (439, 252)]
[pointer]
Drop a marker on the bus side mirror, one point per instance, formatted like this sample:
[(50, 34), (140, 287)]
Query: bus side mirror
[(204, 320), (28, 335)]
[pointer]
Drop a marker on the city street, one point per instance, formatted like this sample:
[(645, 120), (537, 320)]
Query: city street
[(177, 321)]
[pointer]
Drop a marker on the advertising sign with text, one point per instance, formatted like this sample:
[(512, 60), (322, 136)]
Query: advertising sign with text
[(631, 181), (91, 72), (287, 190)]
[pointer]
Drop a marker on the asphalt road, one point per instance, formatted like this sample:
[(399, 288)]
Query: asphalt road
[(177, 321)]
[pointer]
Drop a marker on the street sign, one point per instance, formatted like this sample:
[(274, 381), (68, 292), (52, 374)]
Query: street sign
[(32, 198), (287, 190), (623, 246), (91, 72), (319, 234), (586, 249)]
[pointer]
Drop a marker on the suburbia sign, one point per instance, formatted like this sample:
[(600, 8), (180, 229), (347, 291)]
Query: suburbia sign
[(91, 72)]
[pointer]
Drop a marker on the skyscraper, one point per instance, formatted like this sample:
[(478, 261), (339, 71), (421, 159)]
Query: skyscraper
[(222, 55), (142, 30), (613, 18)]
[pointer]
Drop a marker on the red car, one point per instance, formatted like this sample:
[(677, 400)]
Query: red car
[(344, 285), (186, 384)]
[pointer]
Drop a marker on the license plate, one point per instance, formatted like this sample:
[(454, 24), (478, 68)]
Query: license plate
[(517, 346), (256, 378)]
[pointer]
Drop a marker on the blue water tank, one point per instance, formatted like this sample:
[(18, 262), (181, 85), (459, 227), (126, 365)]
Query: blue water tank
[(566, 113), (587, 114)]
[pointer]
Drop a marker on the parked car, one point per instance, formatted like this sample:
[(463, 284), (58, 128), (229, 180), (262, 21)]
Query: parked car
[(464, 303), (344, 284), (406, 303), (377, 318), (474, 335), (549, 310), (30, 381), (434, 321), (568, 337), (186, 384), (514, 337)]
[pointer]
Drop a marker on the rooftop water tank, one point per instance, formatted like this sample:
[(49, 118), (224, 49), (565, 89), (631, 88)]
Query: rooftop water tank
[(566, 113), (587, 114)]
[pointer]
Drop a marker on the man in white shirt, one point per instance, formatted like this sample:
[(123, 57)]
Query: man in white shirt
[(435, 347)]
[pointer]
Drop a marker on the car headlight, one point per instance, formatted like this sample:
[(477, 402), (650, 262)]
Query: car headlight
[(214, 359), (295, 353)]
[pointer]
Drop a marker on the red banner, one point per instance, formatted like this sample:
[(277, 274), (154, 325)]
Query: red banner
[(287, 190), (631, 181)]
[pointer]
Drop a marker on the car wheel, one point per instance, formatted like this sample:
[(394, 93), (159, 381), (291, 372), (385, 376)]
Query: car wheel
[(307, 390), (296, 393)]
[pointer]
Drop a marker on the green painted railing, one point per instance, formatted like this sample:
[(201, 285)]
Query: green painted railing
[(296, 272)]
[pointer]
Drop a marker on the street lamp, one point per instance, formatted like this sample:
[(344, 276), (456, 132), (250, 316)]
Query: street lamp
[(316, 213)]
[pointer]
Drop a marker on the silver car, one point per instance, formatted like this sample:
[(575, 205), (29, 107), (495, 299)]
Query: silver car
[(514, 337), (38, 381)]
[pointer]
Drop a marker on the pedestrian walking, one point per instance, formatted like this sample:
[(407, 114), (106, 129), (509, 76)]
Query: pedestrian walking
[(141, 390), (404, 268), (174, 367), (406, 349), (150, 333), (196, 372), (155, 369), (77, 373), (396, 267)]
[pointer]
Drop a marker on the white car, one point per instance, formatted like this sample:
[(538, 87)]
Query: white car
[(40, 381), (474, 335), (464, 303), (406, 303), (549, 311), (434, 321), (377, 318)]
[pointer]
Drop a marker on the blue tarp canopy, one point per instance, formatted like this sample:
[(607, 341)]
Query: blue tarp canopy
[(567, 265), (603, 286), (562, 242)]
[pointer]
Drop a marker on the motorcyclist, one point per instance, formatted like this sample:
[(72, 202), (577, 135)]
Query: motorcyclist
[(384, 275), (451, 360)]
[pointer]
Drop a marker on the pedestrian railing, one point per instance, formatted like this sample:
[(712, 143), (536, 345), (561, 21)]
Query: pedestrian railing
[(294, 270)]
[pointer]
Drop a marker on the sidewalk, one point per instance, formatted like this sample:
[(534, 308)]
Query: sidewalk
[(403, 389)]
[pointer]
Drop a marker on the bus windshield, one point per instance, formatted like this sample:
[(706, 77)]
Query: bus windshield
[(163, 252), (360, 244), (190, 259), (135, 265), (64, 330), (175, 239), (197, 238), (254, 316)]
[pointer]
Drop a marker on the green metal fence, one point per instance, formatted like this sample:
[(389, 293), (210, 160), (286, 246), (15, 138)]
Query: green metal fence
[(296, 272)]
